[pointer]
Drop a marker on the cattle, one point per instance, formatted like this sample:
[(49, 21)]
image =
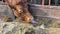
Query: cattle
[(22, 13), (20, 10)]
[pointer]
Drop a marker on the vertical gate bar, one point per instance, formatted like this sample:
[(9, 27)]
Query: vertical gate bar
[(49, 2), (42, 3), (56, 2), (31, 1)]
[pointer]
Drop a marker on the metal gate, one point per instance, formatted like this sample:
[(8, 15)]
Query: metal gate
[(40, 8), (44, 3)]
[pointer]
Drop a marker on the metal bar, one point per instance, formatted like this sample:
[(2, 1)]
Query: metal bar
[(56, 2), (49, 2), (31, 1), (42, 3)]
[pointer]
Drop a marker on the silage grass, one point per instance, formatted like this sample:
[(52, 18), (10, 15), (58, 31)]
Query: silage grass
[(48, 22)]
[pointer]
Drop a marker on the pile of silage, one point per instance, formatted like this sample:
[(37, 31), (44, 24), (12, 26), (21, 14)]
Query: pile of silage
[(48, 22)]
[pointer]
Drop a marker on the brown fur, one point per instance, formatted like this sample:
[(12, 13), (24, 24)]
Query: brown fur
[(20, 10), (23, 14), (12, 2)]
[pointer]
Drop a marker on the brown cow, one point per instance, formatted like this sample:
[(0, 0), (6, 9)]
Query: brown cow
[(22, 13), (21, 10), (14, 2)]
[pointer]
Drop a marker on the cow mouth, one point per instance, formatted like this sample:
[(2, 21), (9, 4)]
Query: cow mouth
[(33, 21)]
